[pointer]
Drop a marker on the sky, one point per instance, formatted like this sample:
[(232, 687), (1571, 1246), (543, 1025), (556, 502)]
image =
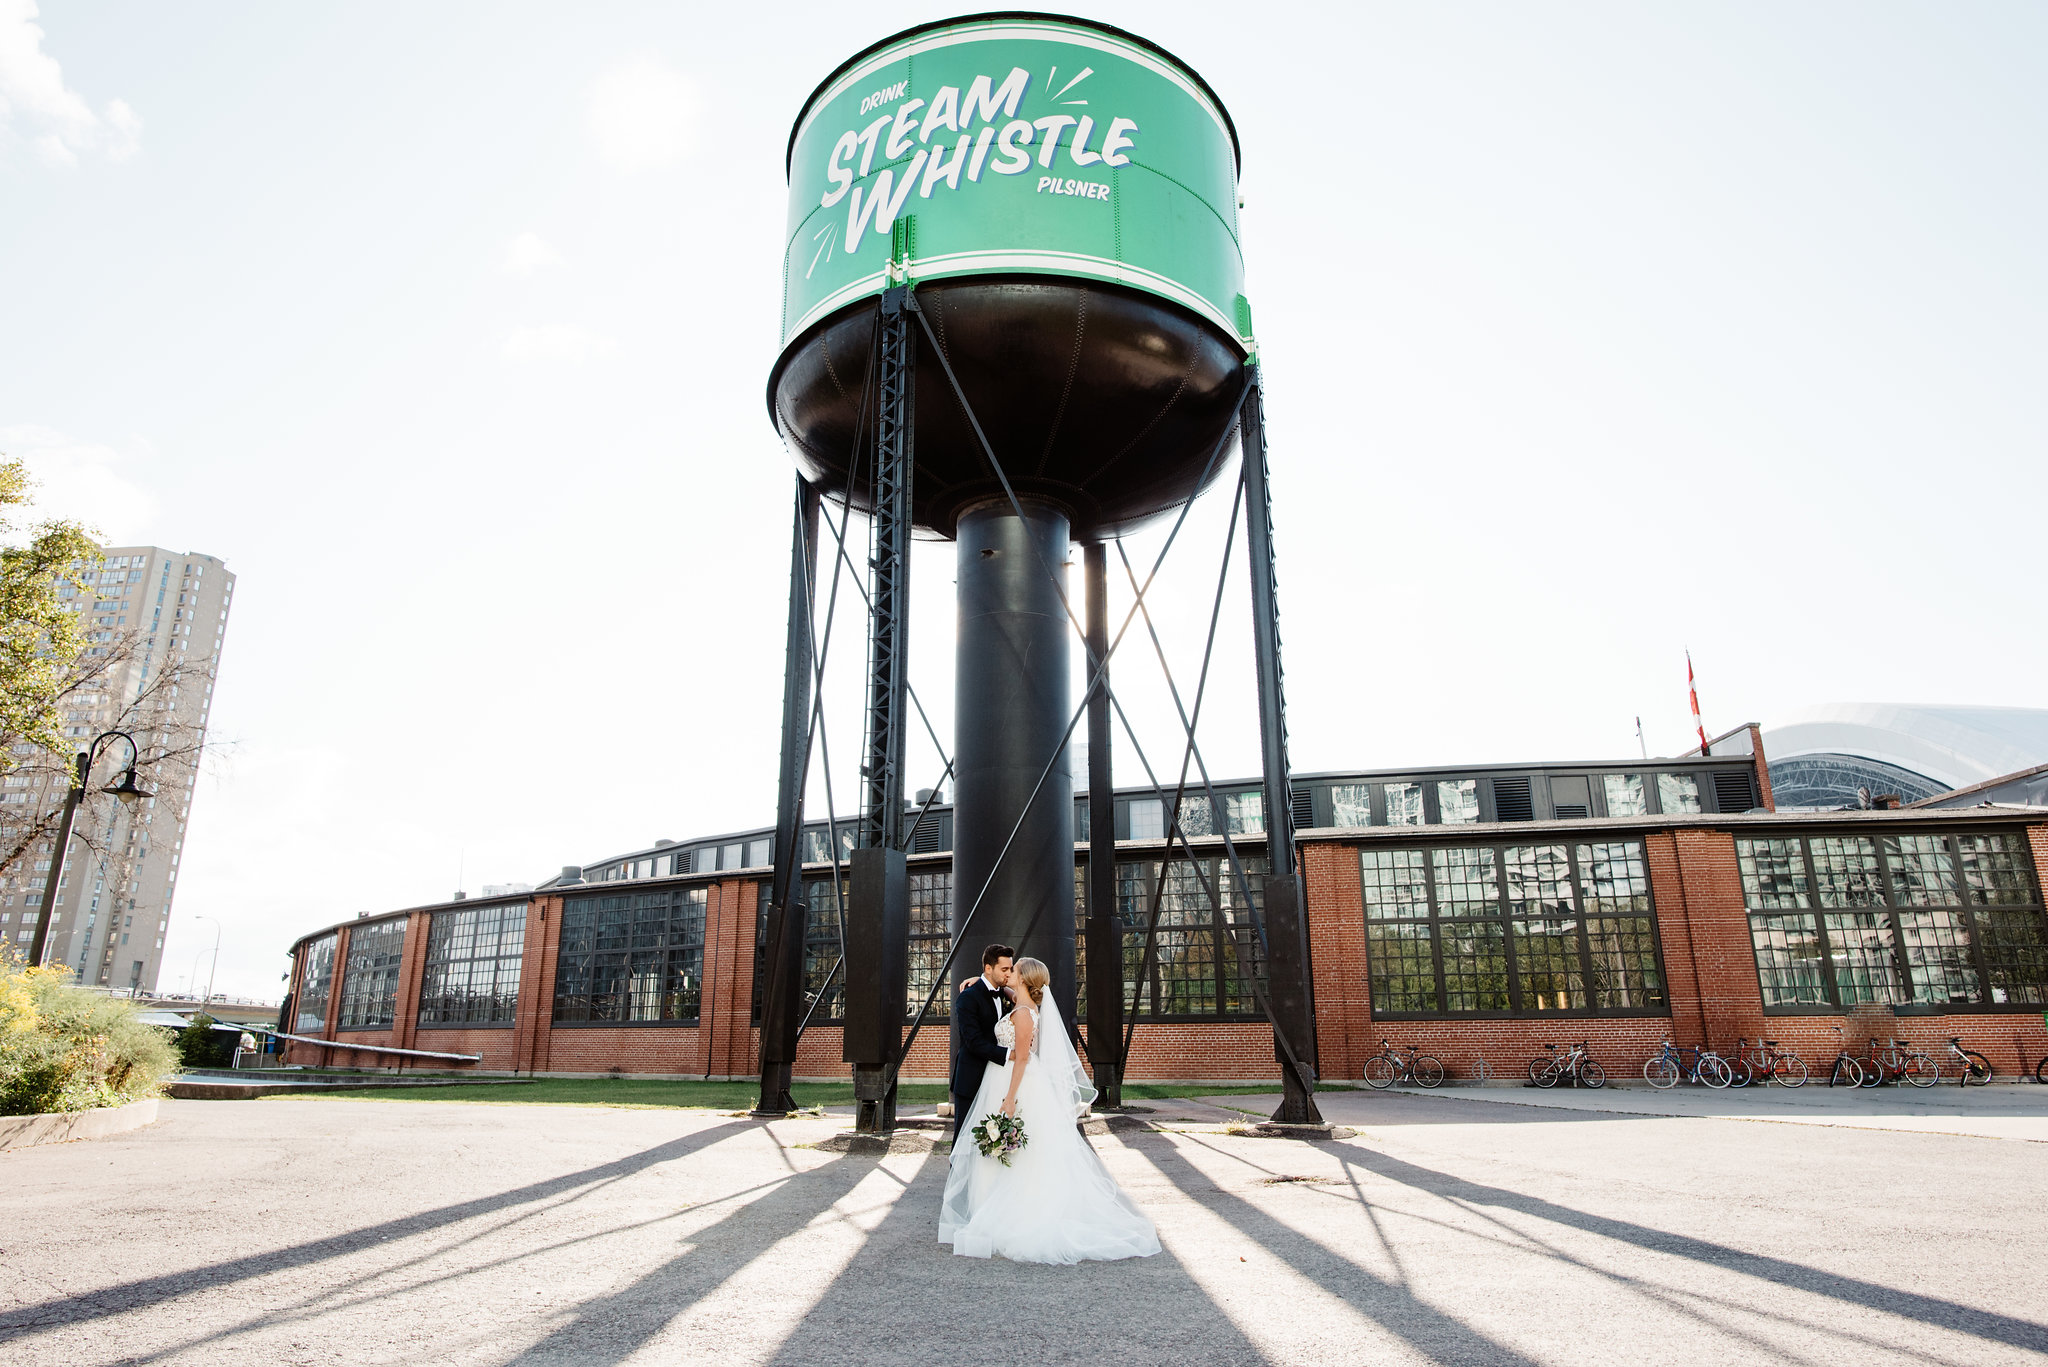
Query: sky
[(1592, 334)]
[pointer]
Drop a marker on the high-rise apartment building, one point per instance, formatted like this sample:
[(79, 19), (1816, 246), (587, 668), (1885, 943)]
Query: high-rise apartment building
[(155, 620)]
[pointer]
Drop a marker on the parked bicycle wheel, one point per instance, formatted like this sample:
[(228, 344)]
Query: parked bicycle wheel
[(1661, 1072), (1846, 1073), (1428, 1072), (1546, 1073), (1788, 1070), (1919, 1070), (1873, 1072), (2041, 1072), (1740, 1072), (1979, 1071), (1379, 1072), (1714, 1071), (1592, 1075)]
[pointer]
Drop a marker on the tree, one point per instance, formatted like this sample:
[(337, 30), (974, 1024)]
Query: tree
[(41, 641), (56, 672)]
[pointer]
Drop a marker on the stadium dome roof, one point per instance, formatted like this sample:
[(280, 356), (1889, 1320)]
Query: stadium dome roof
[(1950, 747)]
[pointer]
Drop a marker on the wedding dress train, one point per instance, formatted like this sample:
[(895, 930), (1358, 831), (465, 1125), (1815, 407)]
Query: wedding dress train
[(1056, 1202)]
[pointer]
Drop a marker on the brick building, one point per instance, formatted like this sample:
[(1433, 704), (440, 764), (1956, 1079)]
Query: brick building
[(1478, 912)]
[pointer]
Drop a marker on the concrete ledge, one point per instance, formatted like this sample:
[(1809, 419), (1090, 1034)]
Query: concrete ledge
[(25, 1131), (206, 1090)]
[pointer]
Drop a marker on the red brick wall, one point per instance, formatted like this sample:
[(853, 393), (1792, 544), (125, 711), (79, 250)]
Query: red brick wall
[(1703, 930)]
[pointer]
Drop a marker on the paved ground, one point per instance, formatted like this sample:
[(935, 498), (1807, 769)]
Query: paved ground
[(1452, 1230), (2017, 1111)]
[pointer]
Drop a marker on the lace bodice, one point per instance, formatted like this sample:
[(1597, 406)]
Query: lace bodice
[(1006, 1030)]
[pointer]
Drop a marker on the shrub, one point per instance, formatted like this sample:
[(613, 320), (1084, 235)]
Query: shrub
[(66, 1049), (202, 1046)]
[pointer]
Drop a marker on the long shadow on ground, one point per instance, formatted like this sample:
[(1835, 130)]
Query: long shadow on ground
[(151, 1291)]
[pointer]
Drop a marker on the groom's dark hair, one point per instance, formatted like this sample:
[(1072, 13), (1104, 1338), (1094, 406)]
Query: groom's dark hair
[(993, 953)]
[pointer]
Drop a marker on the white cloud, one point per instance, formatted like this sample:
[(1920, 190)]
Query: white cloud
[(643, 115), (83, 481), (527, 253), (32, 87), (557, 342)]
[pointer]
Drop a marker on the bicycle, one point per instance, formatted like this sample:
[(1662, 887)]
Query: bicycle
[(1671, 1065), (1845, 1071), (1769, 1062), (2040, 1071), (1574, 1066), (1386, 1068), (1975, 1069), (1897, 1061)]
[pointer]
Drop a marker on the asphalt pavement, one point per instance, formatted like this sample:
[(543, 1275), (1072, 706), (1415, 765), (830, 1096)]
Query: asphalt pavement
[(1452, 1229)]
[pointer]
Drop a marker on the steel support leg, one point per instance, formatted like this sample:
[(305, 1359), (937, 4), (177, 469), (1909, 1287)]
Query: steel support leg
[(1285, 907), (880, 909), (782, 978), (1104, 937)]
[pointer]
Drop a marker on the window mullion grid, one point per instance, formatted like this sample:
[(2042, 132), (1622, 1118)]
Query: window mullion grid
[(1506, 922), (1816, 905), (1902, 964), (1436, 938), (1216, 975), (1968, 911), (1571, 856)]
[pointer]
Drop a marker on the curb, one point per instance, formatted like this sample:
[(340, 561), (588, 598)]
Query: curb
[(27, 1131)]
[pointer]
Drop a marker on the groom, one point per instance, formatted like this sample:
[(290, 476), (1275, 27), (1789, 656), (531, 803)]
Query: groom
[(981, 1003)]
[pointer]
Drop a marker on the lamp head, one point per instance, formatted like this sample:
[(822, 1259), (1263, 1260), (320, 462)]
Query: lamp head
[(128, 790)]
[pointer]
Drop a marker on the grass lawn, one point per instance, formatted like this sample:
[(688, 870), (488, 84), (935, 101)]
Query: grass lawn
[(716, 1096)]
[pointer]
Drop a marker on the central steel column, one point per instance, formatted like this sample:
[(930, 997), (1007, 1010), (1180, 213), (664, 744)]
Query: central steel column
[(1012, 709)]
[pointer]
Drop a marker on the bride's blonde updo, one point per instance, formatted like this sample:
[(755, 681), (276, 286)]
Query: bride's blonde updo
[(1033, 976)]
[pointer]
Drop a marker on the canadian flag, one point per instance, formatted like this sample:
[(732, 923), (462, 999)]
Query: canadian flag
[(1693, 691)]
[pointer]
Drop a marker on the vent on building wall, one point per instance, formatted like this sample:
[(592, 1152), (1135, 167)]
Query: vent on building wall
[(1572, 811), (1734, 791), (1511, 800), (1304, 803), (926, 839)]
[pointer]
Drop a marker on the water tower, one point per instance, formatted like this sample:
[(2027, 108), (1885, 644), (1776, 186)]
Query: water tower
[(1013, 318)]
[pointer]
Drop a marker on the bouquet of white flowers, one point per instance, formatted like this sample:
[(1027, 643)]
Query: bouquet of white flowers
[(999, 1136)]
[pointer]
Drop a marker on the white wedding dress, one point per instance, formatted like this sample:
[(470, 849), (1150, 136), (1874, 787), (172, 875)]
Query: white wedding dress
[(1056, 1202)]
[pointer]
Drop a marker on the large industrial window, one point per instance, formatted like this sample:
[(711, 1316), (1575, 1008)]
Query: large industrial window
[(472, 972), (1194, 969), (931, 910), (1464, 930), (1922, 919), (369, 984), (316, 982), (632, 958)]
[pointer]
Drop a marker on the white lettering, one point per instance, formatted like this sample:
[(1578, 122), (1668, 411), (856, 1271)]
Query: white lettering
[(867, 142), (1080, 189), (886, 95), (1078, 148), (988, 135), (900, 131), (1117, 139), (1009, 161), (883, 204), (1054, 125), (840, 176), (938, 168), (944, 113), (1003, 99)]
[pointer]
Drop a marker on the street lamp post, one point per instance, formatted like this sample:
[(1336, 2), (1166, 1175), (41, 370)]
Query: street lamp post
[(207, 1000), (127, 790)]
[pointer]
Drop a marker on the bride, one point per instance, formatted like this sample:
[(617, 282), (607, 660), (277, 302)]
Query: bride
[(1056, 1202)]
